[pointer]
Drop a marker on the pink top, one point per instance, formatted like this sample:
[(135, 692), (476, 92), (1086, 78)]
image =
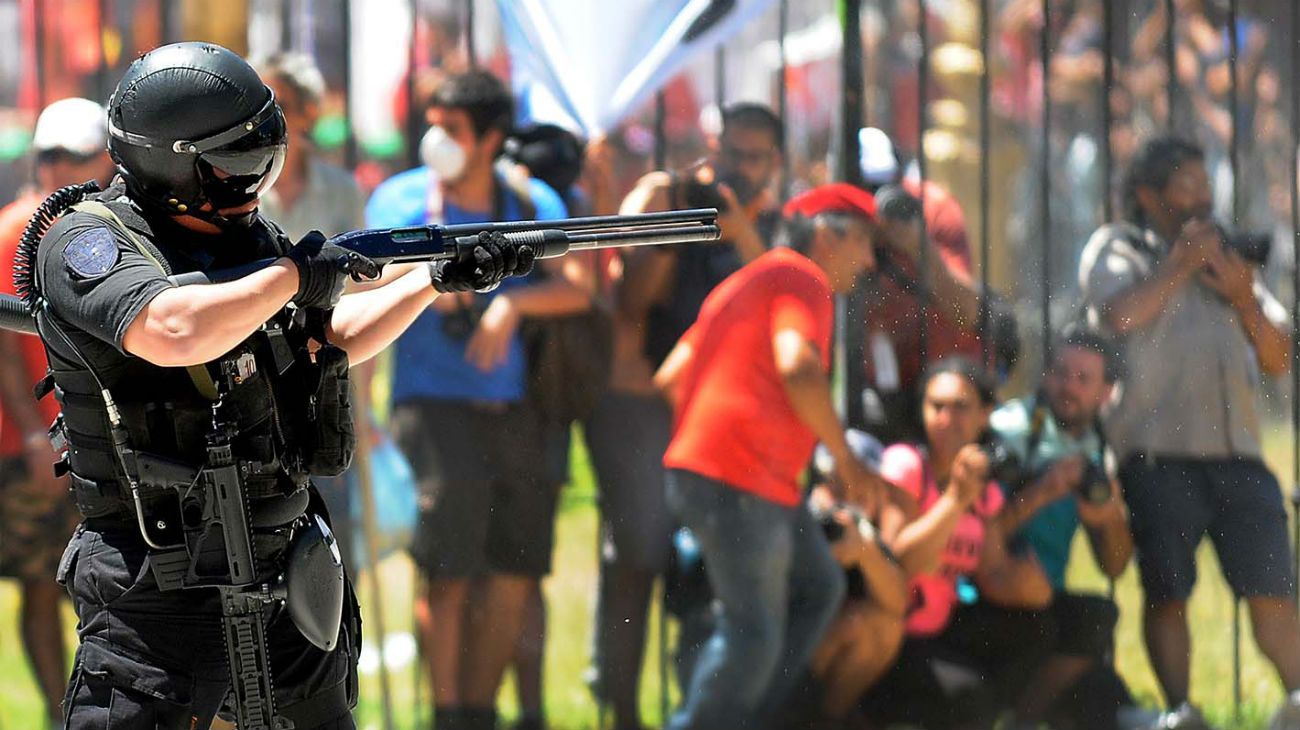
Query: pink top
[(935, 594)]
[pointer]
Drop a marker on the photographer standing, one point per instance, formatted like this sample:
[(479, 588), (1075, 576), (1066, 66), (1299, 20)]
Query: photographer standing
[(460, 413), (751, 396), (1198, 327), (658, 298), (894, 314), (1057, 443)]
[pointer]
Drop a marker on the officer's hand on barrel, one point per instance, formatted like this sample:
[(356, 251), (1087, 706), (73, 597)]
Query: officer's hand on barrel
[(324, 268), (492, 259)]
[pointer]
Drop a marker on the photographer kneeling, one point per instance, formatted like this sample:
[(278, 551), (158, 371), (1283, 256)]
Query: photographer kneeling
[(957, 663), (1060, 454), (862, 641)]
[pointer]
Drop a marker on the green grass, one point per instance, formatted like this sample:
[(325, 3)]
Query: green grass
[(571, 592)]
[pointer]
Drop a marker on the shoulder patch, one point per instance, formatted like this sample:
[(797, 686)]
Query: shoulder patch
[(92, 253)]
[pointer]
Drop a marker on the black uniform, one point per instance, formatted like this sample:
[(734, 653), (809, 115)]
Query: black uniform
[(205, 554), (151, 658)]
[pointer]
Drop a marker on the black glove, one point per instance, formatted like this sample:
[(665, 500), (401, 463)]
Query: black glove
[(323, 269), (492, 259)]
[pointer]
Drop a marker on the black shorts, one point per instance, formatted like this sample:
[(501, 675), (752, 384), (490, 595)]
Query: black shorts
[(966, 674), (158, 660), (1175, 502), (1085, 625), (486, 502)]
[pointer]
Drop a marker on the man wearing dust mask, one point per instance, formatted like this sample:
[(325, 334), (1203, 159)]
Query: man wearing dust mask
[(460, 412)]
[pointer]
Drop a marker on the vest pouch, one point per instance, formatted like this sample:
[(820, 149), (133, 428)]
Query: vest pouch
[(330, 438), (94, 500)]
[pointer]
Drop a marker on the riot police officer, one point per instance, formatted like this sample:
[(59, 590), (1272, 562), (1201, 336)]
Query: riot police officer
[(176, 396)]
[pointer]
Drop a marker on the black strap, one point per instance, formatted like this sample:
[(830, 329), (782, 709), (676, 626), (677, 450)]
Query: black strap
[(1037, 419)]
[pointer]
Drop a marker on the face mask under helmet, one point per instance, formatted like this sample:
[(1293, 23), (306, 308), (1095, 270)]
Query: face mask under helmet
[(192, 124)]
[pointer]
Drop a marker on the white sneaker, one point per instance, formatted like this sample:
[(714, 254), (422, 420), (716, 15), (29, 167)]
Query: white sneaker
[(1183, 717), (1132, 717), (1288, 715)]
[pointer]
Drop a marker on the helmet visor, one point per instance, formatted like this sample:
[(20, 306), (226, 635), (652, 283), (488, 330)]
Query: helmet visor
[(237, 173)]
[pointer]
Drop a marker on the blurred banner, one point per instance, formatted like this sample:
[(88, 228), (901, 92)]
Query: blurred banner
[(585, 64)]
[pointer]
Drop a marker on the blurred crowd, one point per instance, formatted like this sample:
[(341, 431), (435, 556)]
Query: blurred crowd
[(912, 570)]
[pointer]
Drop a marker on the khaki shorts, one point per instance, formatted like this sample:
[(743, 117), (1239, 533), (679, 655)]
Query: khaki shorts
[(35, 524)]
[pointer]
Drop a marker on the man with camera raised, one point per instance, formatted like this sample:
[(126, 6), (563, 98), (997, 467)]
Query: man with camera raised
[(1062, 483), (657, 299), (1198, 327)]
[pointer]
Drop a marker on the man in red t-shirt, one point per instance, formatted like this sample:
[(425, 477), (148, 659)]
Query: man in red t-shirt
[(893, 316), (36, 512), (751, 397)]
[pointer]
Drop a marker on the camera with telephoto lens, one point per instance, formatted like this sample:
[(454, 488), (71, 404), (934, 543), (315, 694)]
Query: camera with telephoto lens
[(1253, 246), (1004, 465), (698, 194), (1094, 485), (895, 203)]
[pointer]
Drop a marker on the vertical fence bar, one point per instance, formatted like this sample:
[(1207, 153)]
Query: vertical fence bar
[(851, 82), (782, 92), (922, 125), (470, 48), (851, 311), (986, 171), (1107, 113), (1234, 149), (1045, 181), (414, 121), (286, 25), (1234, 103), (720, 76), (39, 41), (661, 131), (1295, 288), (102, 72), (1171, 63), (172, 29), (350, 141)]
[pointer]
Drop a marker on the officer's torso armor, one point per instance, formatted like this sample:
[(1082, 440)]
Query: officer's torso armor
[(92, 294)]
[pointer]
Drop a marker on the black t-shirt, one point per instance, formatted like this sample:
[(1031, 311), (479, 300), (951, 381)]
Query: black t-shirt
[(699, 269)]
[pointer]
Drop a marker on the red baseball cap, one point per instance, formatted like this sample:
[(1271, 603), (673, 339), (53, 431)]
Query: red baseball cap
[(832, 198)]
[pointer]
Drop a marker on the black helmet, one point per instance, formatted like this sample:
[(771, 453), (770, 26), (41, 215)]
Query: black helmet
[(191, 123)]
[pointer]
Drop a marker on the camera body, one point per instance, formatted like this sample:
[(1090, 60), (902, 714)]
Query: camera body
[(1006, 467), (1253, 246), (1094, 485), (698, 194), (825, 517)]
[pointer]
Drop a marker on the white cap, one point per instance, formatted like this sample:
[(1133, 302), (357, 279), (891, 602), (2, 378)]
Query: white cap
[(876, 158), (79, 126)]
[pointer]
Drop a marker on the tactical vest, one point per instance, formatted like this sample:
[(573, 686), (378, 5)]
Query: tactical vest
[(283, 408)]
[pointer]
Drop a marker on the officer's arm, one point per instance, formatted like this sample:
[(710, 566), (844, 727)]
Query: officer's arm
[(197, 323), (365, 323)]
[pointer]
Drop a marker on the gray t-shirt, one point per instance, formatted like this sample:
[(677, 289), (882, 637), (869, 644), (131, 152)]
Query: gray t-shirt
[(1193, 376)]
